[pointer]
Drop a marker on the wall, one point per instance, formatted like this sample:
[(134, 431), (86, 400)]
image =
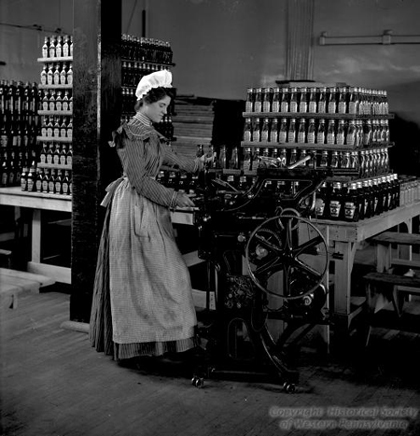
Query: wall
[(21, 46), (223, 46), (395, 68)]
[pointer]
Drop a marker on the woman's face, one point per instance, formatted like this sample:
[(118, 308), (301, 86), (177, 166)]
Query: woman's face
[(155, 111)]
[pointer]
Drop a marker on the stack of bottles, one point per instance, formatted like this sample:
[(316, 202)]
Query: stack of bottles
[(57, 46), (140, 57), (51, 171), (409, 190), (317, 100), (19, 103), (146, 49), (357, 200), (322, 131), (47, 181)]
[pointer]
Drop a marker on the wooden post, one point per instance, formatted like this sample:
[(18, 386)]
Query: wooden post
[(97, 108)]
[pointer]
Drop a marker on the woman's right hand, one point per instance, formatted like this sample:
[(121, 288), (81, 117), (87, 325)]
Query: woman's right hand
[(183, 200)]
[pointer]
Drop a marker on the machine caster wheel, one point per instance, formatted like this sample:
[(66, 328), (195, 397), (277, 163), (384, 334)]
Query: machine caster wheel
[(289, 388), (198, 382)]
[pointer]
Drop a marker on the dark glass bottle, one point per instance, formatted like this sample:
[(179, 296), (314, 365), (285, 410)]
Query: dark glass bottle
[(351, 203), (336, 202)]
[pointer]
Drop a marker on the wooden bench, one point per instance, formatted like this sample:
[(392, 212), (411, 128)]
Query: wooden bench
[(13, 282), (385, 288), (384, 242)]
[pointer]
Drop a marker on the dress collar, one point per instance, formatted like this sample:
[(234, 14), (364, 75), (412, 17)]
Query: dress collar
[(143, 119)]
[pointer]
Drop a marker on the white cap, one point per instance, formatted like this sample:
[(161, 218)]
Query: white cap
[(162, 78)]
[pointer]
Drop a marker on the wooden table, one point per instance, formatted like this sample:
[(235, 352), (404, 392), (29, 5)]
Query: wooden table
[(343, 239), (38, 202)]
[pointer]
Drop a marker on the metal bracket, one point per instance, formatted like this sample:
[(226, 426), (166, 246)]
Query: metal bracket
[(387, 38)]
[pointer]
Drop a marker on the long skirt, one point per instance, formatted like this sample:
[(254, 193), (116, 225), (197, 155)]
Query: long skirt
[(142, 301)]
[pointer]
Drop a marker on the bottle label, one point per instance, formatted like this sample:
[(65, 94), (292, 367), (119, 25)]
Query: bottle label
[(303, 107), (293, 106), (291, 137), (58, 187), (321, 107), (30, 185), (320, 138), (275, 107), (264, 135), (311, 137), (301, 137), (257, 106), (23, 184), (350, 138), (284, 106), (266, 106), (340, 138), (38, 185), (342, 107), (349, 210), (330, 138), (335, 207), (248, 106), (45, 186), (4, 140), (65, 187), (50, 186), (331, 107), (352, 108), (319, 207), (312, 107), (273, 136)]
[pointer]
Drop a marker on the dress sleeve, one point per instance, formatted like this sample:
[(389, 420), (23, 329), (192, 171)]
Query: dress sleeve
[(136, 163), (182, 162)]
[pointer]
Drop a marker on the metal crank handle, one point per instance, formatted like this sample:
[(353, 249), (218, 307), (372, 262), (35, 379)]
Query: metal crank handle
[(299, 162)]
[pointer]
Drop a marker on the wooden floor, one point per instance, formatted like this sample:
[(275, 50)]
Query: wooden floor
[(54, 383)]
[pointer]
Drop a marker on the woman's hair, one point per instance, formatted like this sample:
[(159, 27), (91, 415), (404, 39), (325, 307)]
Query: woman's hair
[(154, 95)]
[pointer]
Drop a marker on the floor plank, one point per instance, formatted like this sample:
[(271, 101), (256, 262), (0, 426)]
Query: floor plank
[(54, 383)]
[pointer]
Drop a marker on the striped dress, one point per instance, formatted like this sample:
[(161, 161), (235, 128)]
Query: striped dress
[(142, 302)]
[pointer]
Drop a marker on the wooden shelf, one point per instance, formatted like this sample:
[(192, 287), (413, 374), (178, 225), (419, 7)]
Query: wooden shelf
[(60, 113), (14, 196), (52, 60), (147, 62), (53, 139), (306, 146), (55, 166), (333, 116), (55, 86)]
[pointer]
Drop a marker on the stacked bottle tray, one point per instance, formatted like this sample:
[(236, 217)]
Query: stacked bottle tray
[(18, 129), (53, 171), (343, 129)]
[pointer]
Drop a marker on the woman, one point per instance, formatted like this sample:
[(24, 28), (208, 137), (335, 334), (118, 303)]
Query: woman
[(142, 302)]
